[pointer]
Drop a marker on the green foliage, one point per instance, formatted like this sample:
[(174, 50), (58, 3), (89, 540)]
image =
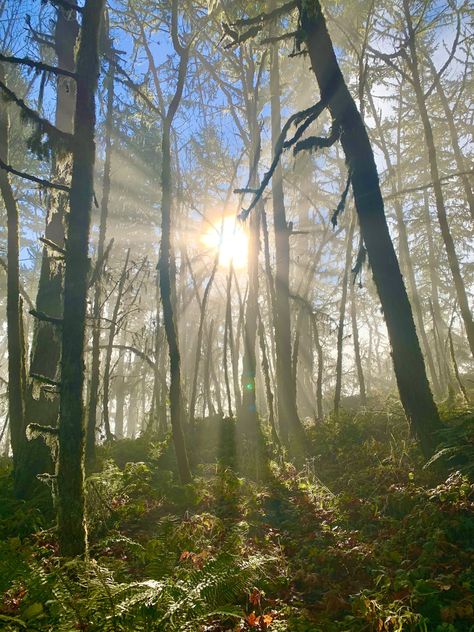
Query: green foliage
[(456, 447), (361, 538)]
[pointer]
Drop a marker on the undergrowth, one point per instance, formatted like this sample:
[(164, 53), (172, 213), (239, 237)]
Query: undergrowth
[(365, 536)]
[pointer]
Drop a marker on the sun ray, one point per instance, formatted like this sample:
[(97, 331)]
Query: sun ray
[(229, 238)]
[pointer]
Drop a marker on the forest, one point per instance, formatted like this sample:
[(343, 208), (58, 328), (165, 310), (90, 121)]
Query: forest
[(236, 315)]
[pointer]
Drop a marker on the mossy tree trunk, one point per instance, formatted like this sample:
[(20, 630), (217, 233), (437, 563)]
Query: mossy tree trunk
[(72, 530), (42, 407)]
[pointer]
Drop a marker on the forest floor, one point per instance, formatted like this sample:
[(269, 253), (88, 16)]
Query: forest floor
[(361, 537)]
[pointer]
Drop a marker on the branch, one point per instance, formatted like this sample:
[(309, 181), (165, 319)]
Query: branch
[(280, 38), (137, 352), (45, 318), (37, 65), (28, 176), (428, 185), (43, 125), (67, 4), (240, 38), (265, 17), (128, 81), (45, 380), (52, 246), (313, 143), (178, 47), (310, 113), (342, 202)]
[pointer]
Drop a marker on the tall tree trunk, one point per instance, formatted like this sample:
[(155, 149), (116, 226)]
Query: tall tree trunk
[(356, 342), (453, 132), (342, 315), (15, 342), (110, 346), (405, 256), (119, 397), (42, 407), (438, 191), (227, 337), (409, 366), (319, 378), (287, 412), (268, 385), (72, 529), (97, 307), (165, 264), (197, 357)]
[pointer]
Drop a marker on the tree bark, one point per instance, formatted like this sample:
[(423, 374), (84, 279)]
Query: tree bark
[(356, 342), (342, 314), (409, 366), (110, 346), (42, 407), (287, 412), (96, 309), (165, 266), (405, 256), (72, 529), (197, 357), (15, 342)]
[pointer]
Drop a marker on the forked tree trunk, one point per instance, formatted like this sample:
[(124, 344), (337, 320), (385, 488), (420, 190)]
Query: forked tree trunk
[(409, 366), (72, 529)]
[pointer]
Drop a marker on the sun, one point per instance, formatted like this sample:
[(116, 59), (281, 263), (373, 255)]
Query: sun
[(230, 239)]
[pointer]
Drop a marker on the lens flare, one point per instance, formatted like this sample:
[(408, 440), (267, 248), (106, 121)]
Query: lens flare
[(230, 239)]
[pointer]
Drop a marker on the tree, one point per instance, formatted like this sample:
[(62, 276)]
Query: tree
[(408, 361), (41, 406), (166, 256), (16, 351), (72, 530)]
